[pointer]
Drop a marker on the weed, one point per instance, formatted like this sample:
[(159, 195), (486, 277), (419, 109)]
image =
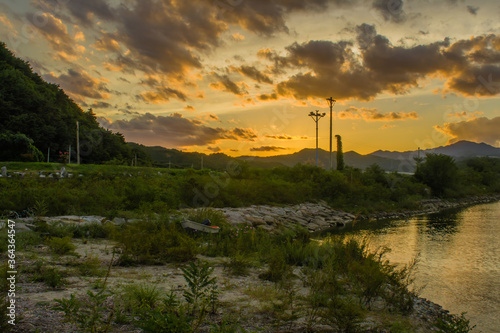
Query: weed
[(238, 265), (216, 217), (200, 292), (91, 266), (277, 268), (51, 276), (342, 313), (140, 295), (398, 294), (61, 246), (90, 313), (168, 316), (155, 242), (455, 324), (227, 325)]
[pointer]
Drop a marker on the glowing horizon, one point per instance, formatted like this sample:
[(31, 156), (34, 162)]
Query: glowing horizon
[(240, 77)]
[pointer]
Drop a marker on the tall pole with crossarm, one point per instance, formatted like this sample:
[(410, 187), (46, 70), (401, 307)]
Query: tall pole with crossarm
[(316, 117), (331, 102)]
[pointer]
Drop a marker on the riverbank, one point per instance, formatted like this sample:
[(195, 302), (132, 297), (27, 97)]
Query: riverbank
[(314, 217), (319, 216), (252, 299)]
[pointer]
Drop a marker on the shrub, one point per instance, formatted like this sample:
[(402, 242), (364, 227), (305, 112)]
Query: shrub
[(61, 246), (89, 312), (455, 324), (155, 242), (277, 268), (216, 217), (342, 313), (51, 276), (137, 296), (168, 316), (238, 265), (91, 266)]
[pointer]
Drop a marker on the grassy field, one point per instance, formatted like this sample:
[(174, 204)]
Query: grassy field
[(110, 190)]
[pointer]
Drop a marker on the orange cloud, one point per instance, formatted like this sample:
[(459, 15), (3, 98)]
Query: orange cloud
[(375, 115), (476, 129), (175, 131)]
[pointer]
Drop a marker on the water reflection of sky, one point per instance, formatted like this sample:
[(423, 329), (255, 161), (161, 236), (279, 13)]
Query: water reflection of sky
[(459, 257)]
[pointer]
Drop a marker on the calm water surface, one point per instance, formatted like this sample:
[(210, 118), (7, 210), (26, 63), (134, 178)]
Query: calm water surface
[(459, 258)]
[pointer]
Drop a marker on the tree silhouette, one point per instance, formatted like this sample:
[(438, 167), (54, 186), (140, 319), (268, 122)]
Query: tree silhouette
[(340, 153), (439, 172)]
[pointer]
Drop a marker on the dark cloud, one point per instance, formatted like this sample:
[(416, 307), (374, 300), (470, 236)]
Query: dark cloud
[(161, 95), (267, 97), (224, 83), (169, 36), (101, 105), (85, 11), (471, 67), (390, 10), (54, 31), (279, 137), (174, 131), (214, 149), (472, 10), (267, 148), (107, 43), (79, 84), (477, 70), (267, 17), (375, 115), (478, 130), (253, 73)]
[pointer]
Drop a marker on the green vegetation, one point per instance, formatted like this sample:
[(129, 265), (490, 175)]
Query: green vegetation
[(455, 324), (339, 278), (61, 246), (439, 172), (41, 272), (112, 191), (36, 115), (340, 153)]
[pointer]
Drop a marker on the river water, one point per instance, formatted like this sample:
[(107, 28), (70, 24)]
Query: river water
[(459, 258)]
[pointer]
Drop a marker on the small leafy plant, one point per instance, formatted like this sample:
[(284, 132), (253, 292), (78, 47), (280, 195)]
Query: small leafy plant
[(200, 286)]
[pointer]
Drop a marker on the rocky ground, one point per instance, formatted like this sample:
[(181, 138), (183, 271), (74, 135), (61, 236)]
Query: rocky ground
[(313, 216), (246, 298)]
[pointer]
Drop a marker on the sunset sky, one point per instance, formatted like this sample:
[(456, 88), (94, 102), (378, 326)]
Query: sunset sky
[(241, 76)]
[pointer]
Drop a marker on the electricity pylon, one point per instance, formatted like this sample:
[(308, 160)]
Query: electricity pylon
[(316, 117), (331, 102)]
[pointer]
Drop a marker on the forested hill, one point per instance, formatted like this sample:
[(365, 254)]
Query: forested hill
[(36, 115)]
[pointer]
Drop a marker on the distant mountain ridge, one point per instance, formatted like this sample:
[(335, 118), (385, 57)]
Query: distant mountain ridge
[(459, 150), (387, 160)]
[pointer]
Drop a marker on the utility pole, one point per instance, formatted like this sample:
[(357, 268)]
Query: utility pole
[(77, 143), (48, 155), (69, 157), (331, 102), (316, 117)]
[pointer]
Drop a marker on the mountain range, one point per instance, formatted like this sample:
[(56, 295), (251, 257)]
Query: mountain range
[(387, 160)]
